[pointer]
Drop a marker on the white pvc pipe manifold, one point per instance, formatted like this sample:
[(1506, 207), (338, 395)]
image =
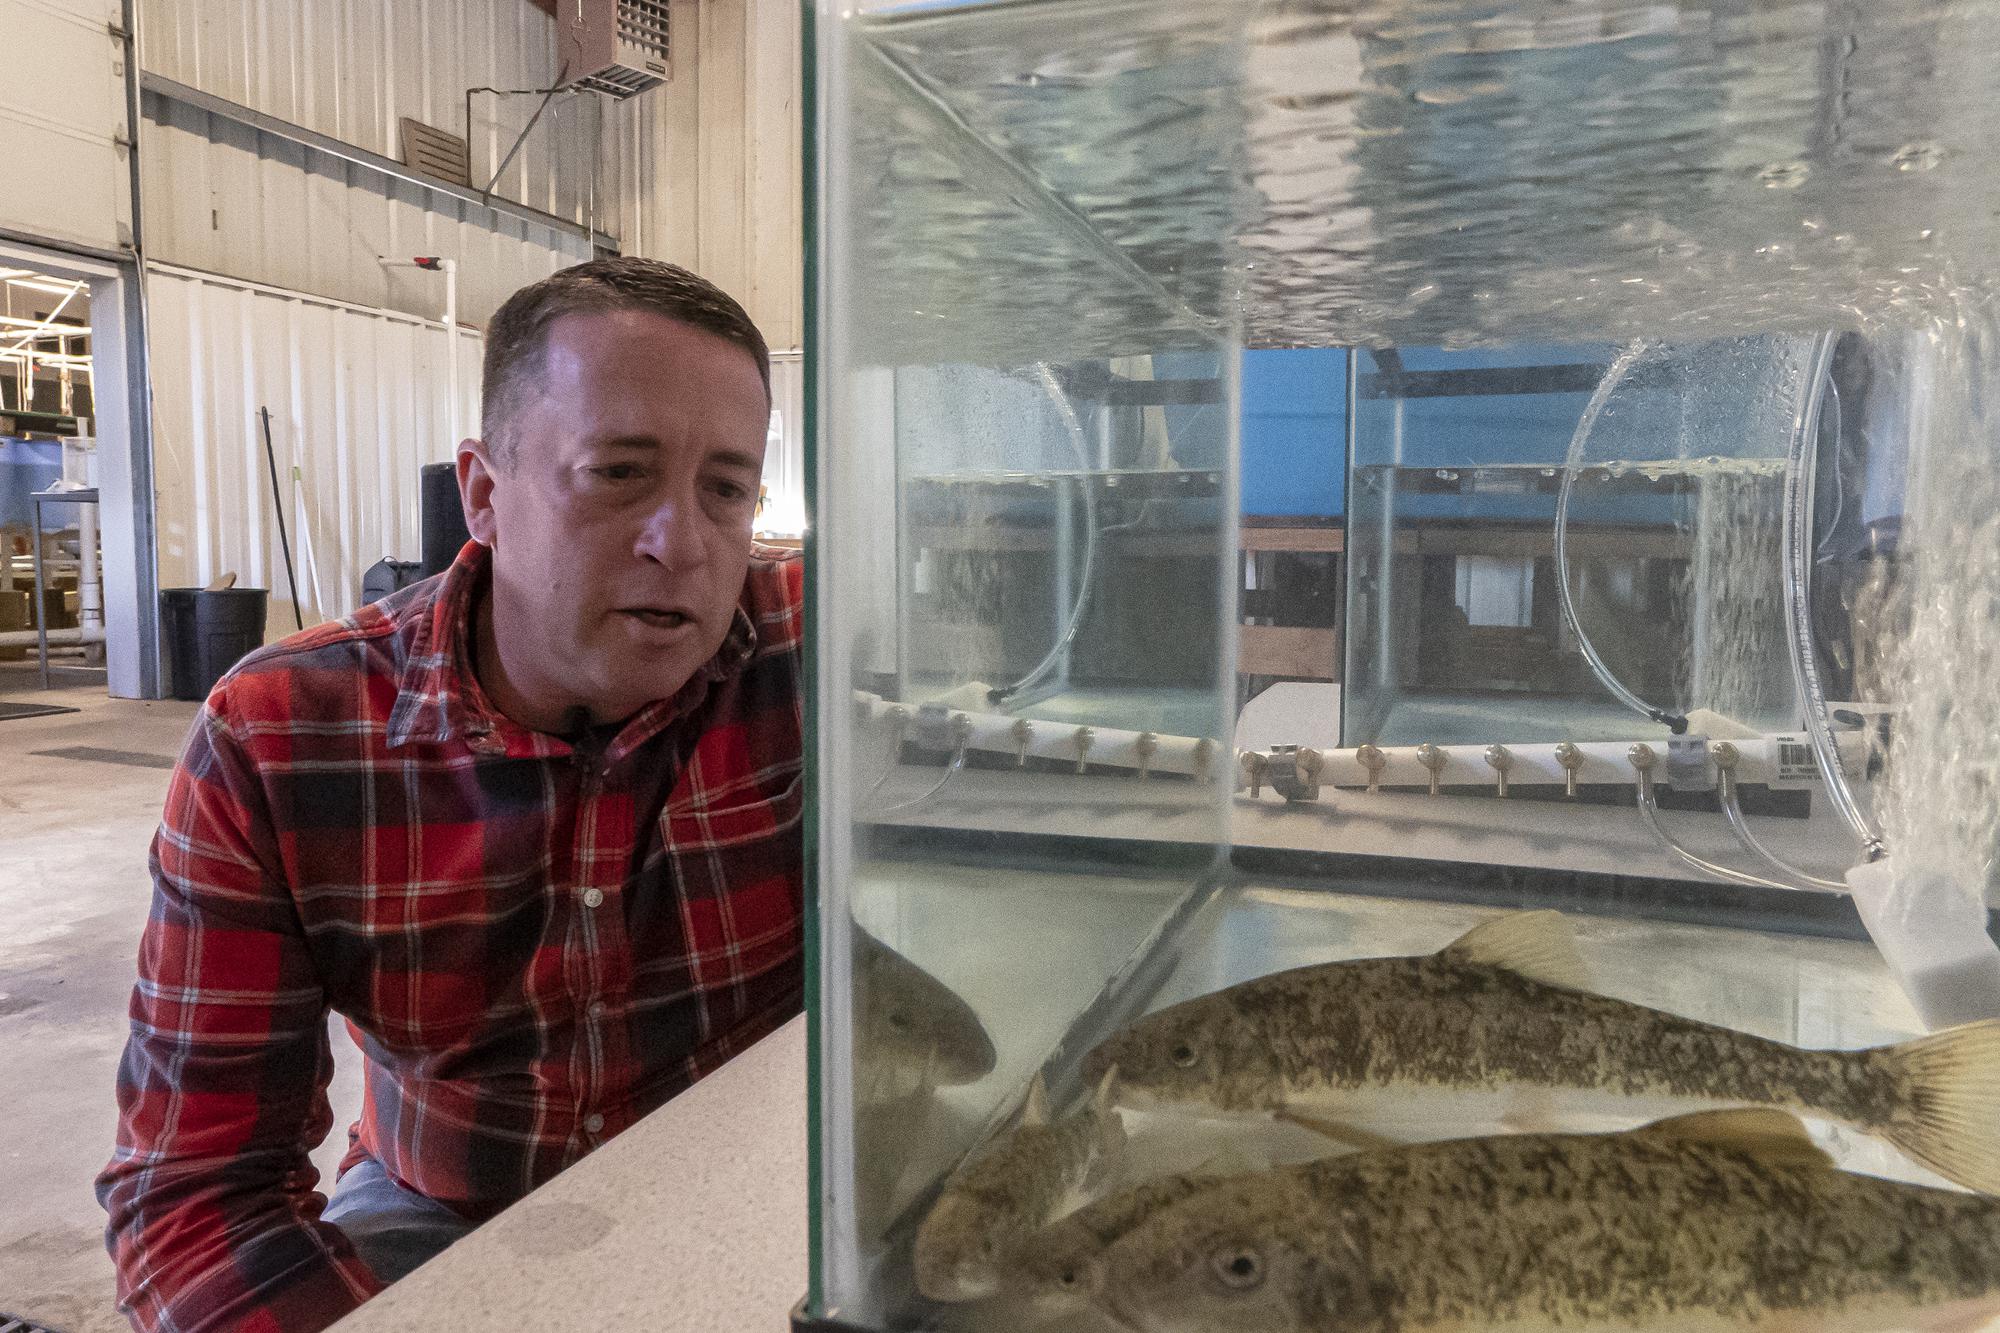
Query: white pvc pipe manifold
[(1096, 747), (1529, 764)]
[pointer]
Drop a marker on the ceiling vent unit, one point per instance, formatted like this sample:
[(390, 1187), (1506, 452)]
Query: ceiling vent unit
[(615, 47)]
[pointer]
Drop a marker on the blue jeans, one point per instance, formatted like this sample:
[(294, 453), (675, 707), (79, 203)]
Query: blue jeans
[(392, 1228)]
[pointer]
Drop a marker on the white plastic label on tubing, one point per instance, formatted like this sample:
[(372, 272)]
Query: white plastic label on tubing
[(1932, 933)]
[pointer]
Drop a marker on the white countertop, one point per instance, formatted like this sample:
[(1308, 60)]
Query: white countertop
[(694, 1219)]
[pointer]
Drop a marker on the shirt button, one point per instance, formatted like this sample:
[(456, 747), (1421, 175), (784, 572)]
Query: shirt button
[(593, 1124), (596, 1010), (593, 897)]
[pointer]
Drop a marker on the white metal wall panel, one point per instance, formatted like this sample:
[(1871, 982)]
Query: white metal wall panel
[(358, 403), (706, 170), (229, 199), (785, 451), (62, 112), (351, 69)]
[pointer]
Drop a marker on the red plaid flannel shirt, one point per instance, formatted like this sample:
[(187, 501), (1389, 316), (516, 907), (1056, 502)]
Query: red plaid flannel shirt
[(535, 944)]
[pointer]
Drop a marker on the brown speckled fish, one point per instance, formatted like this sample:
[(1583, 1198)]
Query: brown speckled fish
[(1726, 1220), (907, 1021), (1490, 1029), (1026, 1178), (1053, 1268)]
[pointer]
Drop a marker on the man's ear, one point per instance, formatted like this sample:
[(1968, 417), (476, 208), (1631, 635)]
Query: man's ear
[(477, 476)]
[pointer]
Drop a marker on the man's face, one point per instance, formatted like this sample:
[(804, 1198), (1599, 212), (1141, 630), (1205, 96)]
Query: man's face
[(620, 517)]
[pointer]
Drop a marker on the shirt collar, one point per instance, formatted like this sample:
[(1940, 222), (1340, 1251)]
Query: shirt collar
[(439, 698)]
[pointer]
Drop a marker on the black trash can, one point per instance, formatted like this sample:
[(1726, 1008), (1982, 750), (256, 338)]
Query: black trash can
[(444, 530), (206, 633), (178, 641)]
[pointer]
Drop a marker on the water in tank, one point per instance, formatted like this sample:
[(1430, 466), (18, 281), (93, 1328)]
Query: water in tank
[(1402, 594)]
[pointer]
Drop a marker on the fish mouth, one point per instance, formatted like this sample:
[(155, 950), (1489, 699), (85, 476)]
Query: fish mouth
[(965, 1057), (973, 1282)]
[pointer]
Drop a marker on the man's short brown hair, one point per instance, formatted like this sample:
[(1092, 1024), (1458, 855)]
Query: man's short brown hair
[(515, 336)]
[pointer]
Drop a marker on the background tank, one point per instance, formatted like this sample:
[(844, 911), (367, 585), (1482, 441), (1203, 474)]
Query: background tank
[(1198, 386)]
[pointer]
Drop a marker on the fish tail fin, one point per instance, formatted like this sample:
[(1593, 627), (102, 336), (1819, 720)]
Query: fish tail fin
[(1950, 1083)]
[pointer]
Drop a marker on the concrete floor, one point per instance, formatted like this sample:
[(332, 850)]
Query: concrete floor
[(73, 897)]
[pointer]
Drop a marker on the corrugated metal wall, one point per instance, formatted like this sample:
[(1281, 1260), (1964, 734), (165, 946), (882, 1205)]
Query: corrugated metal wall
[(62, 109), (228, 199), (358, 403), (706, 169), (269, 292), (353, 69)]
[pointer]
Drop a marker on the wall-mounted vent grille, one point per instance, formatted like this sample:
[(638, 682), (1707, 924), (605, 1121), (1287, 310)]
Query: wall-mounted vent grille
[(643, 24), (622, 47), (435, 153)]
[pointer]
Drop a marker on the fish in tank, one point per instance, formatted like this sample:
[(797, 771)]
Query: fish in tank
[(1298, 485)]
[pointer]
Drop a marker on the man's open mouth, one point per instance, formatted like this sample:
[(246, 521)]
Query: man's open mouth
[(657, 617)]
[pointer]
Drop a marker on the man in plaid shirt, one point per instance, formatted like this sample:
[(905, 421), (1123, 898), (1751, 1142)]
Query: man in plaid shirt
[(531, 827)]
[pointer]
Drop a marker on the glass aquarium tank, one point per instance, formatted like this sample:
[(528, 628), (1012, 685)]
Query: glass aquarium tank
[(1399, 589)]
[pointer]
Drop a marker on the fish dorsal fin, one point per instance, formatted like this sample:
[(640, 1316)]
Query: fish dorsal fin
[(1536, 945), (1105, 1099), (1036, 1111), (1773, 1136)]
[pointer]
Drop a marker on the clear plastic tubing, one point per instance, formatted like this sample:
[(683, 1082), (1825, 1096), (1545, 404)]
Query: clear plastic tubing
[(1621, 367), (950, 769), (1801, 473), (1084, 484), (1733, 809), (1649, 808)]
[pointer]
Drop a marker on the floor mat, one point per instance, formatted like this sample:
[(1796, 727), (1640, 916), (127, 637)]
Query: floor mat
[(13, 1324), (9, 711), (96, 755)]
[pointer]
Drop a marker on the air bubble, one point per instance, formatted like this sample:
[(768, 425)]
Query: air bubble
[(1784, 175), (1922, 155)]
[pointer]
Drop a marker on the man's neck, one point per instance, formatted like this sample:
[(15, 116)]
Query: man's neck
[(504, 683)]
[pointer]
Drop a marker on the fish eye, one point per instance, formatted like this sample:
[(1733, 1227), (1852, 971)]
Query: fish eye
[(1240, 1269), (1183, 1055), (1067, 1277), (899, 1020)]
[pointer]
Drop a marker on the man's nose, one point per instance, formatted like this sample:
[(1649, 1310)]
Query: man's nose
[(672, 535)]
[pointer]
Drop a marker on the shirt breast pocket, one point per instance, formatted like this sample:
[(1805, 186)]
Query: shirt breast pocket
[(739, 878)]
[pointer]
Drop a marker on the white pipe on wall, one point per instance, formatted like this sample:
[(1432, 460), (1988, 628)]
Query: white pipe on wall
[(58, 638), (448, 267), (450, 270)]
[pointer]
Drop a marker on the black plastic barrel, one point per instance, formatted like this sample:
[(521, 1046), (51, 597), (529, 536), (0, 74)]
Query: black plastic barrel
[(177, 637), (444, 531), (206, 633)]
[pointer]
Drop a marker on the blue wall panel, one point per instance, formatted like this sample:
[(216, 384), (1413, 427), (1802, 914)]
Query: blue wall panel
[(1295, 433)]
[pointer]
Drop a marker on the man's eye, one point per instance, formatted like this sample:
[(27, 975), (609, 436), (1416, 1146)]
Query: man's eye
[(618, 472), (729, 490)]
